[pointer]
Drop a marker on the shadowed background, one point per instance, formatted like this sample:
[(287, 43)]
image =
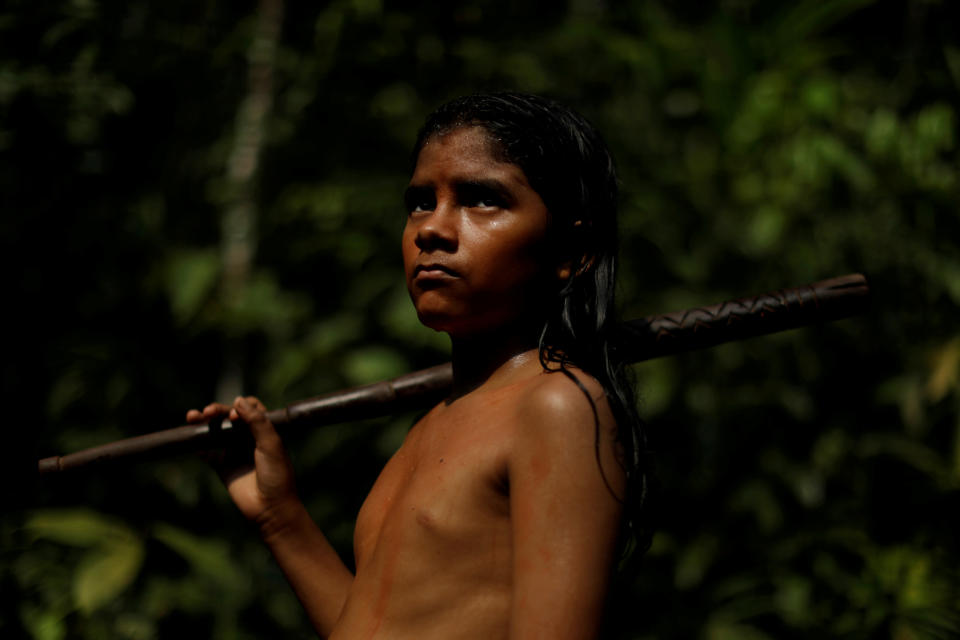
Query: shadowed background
[(199, 198)]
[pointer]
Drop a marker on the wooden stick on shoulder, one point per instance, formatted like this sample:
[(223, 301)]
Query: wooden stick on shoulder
[(781, 310), (638, 340)]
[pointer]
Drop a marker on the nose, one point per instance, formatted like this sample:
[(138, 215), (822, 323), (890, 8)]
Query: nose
[(438, 230)]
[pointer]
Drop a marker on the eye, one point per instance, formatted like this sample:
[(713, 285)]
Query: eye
[(419, 199), (480, 196)]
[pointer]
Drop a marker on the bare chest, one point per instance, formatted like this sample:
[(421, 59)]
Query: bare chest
[(443, 488)]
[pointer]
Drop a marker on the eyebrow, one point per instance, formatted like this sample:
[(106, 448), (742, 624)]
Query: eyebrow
[(485, 184), (415, 191), (488, 184)]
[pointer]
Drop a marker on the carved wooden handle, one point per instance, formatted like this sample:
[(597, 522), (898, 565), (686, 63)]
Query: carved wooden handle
[(670, 333)]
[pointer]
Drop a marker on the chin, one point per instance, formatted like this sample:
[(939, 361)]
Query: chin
[(440, 321), (466, 324), (438, 312)]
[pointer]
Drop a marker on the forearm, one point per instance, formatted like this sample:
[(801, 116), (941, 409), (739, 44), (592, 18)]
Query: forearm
[(312, 567)]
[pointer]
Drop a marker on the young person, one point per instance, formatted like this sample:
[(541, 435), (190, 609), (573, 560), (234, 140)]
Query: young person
[(500, 515)]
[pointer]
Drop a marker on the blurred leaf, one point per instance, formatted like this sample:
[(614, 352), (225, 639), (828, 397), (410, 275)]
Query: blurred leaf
[(43, 625), (758, 499), (75, 527), (694, 561), (882, 133), (830, 450), (793, 599), (328, 335), (822, 96), (918, 456), (191, 276), (106, 571), (764, 232), (907, 393), (809, 17), (945, 370), (68, 388), (324, 204), (372, 364), (396, 101), (367, 8), (263, 304), (657, 384), (113, 558), (935, 127), (210, 558)]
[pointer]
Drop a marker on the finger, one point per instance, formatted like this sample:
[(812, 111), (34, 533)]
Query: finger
[(215, 409), (261, 427), (209, 411)]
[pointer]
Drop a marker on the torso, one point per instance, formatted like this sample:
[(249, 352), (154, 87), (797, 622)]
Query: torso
[(432, 540)]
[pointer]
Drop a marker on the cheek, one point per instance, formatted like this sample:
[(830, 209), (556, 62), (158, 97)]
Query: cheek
[(525, 246), (517, 262)]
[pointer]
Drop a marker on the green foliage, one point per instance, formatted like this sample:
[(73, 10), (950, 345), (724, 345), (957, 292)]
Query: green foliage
[(109, 557), (807, 478)]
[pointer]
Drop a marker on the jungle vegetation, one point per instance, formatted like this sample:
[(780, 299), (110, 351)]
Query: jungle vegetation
[(202, 197)]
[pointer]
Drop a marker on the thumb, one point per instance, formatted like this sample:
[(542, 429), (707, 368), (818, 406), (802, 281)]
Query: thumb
[(252, 412)]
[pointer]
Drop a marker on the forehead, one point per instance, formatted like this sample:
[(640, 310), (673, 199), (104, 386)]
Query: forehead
[(464, 153)]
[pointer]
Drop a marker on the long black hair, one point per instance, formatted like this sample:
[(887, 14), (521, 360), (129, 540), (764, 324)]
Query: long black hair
[(567, 163)]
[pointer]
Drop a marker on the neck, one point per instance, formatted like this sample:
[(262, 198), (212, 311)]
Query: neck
[(483, 358)]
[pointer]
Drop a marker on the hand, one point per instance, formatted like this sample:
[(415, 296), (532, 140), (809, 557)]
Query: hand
[(263, 490)]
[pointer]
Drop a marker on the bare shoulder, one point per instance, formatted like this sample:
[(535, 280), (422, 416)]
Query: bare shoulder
[(565, 401), (567, 420)]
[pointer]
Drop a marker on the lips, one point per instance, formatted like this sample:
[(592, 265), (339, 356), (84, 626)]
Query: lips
[(434, 270)]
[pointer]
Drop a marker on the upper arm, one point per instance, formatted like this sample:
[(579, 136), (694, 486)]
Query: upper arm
[(565, 490)]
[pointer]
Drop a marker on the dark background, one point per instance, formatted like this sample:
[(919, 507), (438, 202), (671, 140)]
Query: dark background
[(191, 204)]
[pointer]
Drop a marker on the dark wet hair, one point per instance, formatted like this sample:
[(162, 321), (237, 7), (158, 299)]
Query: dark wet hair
[(567, 163)]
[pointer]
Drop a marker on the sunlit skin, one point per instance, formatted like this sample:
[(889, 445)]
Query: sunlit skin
[(475, 247), (493, 519)]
